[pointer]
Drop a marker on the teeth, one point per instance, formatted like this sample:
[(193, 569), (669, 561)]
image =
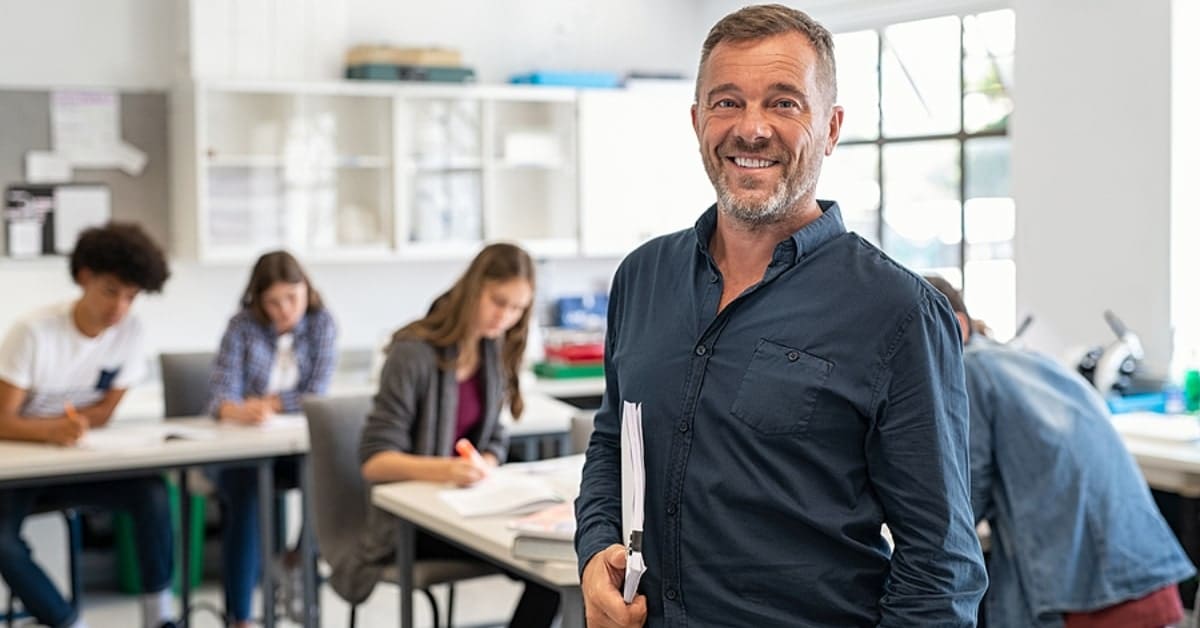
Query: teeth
[(751, 163)]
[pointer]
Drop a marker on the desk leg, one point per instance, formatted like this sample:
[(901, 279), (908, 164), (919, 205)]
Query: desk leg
[(571, 607), (405, 555), (308, 550), (185, 551), (266, 537)]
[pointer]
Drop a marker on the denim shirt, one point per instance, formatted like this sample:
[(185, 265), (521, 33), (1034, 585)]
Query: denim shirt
[(1073, 525), (782, 432), (243, 363)]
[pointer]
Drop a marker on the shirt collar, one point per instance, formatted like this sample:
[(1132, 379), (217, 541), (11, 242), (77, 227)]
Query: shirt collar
[(807, 239)]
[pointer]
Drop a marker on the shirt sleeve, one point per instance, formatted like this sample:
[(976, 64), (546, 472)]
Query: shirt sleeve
[(315, 376), (228, 379), (982, 402), (917, 461), (390, 423), (598, 508), (133, 368), (16, 356)]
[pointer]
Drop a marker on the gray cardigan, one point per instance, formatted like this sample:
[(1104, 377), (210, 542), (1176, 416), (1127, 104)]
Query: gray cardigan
[(416, 408), (415, 412)]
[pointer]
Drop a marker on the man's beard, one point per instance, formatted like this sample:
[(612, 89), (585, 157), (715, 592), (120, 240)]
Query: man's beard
[(776, 208)]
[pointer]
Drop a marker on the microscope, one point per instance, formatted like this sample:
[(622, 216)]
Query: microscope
[(1114, 368)]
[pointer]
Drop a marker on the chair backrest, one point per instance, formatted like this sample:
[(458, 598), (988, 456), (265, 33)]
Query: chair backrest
[(185, 381), (582, 425), (339, 492)]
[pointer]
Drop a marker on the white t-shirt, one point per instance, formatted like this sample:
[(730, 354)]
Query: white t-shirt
[(285, 371), (47, 356)]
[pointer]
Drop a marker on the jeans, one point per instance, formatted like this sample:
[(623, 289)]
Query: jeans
[(145, 499), (237, 488)]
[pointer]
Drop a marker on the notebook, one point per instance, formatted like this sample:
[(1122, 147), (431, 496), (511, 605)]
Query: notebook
[(502, 493)]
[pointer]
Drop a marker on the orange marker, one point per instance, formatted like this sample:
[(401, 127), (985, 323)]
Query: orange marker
[(466, 450), (70, 409)]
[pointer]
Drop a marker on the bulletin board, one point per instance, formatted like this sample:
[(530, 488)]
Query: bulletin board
[(145, 198)]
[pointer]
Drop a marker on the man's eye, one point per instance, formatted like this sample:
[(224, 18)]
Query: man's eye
[(725, 103), (787, 104)]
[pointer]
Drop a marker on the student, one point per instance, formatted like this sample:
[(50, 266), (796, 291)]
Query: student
[(63, 370), (1076, 539), (276, 350), (445, 379)]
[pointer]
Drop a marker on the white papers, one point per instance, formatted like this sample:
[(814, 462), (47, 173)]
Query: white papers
[(25, 238), (1175, 428), (128, 437), (86, 131), (502, 493), (43, 166), (633, 492), (77, 207)]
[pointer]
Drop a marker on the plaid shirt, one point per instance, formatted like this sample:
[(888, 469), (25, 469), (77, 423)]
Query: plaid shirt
[(243, 365)]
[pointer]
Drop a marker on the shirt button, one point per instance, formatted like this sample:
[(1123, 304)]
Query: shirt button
[(793, 356), (671, 509), (701, 350), (712, 279), (671, 594), (683, 426)]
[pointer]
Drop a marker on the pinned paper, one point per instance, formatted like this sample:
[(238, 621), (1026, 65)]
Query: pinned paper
[(77, 207), (43, 166), (86, 131)]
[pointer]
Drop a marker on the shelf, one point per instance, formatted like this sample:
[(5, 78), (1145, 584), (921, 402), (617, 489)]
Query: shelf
[(465, 164), (275, 161)]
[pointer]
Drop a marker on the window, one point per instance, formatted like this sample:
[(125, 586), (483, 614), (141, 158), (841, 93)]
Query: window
[(922, 169)]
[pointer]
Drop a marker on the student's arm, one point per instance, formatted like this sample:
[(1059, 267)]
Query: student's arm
[(315, 376), (228, 381), (60, 430), (98, 414), (984, 404), (387, 437), (917, 459)]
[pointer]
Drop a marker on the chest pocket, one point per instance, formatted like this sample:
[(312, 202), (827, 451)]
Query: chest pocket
[(778, 393)]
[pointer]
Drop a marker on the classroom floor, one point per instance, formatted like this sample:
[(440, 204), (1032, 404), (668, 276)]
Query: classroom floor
[(483, 602)]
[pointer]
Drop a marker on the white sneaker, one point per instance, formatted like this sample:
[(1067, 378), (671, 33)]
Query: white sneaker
[(289, 589)]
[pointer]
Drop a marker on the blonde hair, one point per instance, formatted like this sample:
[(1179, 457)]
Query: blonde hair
[(452, 315)]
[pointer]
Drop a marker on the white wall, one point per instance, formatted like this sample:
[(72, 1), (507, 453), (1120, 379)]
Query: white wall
[(1185, 194), (69, 43), (500, 38), (1091, 170)]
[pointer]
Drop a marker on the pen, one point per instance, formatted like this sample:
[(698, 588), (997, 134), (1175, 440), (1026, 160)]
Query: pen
[(466, 450), (70, 410)]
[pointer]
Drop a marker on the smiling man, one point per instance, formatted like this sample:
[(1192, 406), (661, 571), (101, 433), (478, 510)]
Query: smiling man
[(798, 388)]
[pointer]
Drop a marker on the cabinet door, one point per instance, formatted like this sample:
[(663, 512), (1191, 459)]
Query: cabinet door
[(440, 175), (640, 170), (531, 187), (308, 172)]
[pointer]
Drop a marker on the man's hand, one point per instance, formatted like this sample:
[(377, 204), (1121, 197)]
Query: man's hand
[(66, 430), (252, 411), (601, 585)]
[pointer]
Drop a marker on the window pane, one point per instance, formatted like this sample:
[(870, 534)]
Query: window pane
[(921, 208), (990, 211), (858, 83), (988, 40), (850, 177), (921, 77), (991, 295)]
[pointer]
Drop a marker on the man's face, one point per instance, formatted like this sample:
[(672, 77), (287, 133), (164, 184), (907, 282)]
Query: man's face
[(106, 299), (765, 124)]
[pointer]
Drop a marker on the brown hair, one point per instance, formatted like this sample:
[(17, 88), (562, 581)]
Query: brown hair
[(952, 295), (452, 314), (272, 268), (764, 20)]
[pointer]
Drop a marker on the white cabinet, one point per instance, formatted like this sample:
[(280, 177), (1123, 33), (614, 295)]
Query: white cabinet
[(352, 171), (364, 171), (640, 173)]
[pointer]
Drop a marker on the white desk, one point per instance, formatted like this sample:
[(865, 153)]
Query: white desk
[(31, 464), (1168, 459), (417, 504)]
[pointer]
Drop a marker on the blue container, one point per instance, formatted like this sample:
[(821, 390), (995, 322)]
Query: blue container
[(568, 79)]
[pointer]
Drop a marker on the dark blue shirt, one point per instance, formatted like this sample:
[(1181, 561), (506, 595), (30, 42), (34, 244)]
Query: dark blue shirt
[(782, 432)]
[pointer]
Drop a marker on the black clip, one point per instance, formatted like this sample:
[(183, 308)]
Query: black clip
[(635, 541)]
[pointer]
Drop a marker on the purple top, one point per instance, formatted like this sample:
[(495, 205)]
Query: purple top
[(470, 406)]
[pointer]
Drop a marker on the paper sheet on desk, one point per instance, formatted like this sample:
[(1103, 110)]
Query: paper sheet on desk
[(277, 422), (633, 491), (117, 439), (502, 493), (1174, 428)]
